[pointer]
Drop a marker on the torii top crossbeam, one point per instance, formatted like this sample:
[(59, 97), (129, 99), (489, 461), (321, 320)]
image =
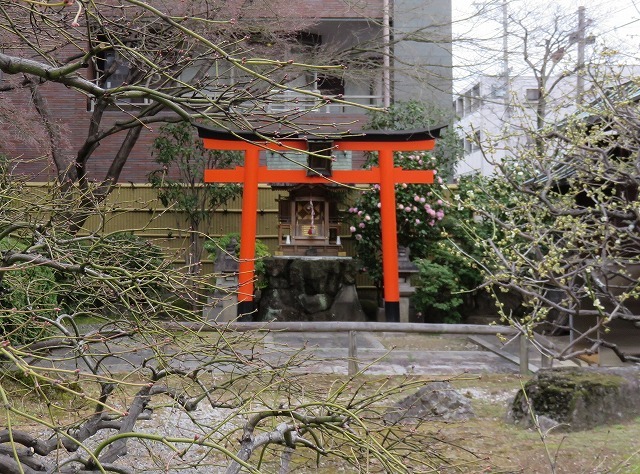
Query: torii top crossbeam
[(386, 176)]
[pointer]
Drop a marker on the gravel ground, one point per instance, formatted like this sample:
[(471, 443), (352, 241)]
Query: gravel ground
[(155, 457), (441, 355)]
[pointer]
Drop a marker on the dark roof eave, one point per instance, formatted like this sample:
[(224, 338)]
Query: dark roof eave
[(364, 135)]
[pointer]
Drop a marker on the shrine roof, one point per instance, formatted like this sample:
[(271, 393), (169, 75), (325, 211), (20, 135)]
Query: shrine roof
[(205, 131)]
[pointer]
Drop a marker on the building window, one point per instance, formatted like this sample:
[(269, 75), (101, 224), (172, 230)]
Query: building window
[(498, 91), (469, 102), (109, 61), (475, 99), (467, 146), (330, 85), (320, 164), (305, 42), (460, 106), (533, 95), (113, 70), (471, 143), (477, 137)]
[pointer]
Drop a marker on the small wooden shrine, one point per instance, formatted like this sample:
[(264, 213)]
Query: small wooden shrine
[(309, 221)]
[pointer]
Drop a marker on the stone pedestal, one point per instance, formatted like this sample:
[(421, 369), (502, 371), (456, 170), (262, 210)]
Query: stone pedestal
[(406, 290), (406, 268), (310, 289), (222, 306)]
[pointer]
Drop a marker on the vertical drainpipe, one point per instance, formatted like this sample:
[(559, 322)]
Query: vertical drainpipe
[(581, 45), (386, 53)]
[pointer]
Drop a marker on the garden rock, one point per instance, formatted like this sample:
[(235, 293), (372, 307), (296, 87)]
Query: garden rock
[(578, 398), (436, 401)]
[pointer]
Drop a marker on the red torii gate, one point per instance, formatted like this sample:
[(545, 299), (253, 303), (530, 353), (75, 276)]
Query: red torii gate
[(386, 175)]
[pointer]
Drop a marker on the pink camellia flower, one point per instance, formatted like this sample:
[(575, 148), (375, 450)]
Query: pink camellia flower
[(427, 207), (439, 202), (352, 228), (414, 208), (439, 180), (379, 205), (358, 237), (367, 217), (431, 212), (416, 198), (422, 200), (418, 221), (432, 223), (360, 213), (440, 215), (435, 172), (420, 162), (361, 225), (407, 209), (376, 186), (400, 206), (404, 185)]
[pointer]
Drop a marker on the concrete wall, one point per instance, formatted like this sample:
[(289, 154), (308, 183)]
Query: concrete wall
[(422, 68)]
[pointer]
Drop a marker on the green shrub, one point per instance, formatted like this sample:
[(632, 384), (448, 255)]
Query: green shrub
[(26, 294), (130, 253), (439, 295)]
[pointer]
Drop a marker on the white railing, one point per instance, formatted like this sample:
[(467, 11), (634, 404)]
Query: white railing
[(351, 328), (288, 101)]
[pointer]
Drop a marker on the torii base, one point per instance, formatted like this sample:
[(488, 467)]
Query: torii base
[(392, 311), (246, 310)]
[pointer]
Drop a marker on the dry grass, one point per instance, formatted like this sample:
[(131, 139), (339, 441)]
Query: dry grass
[(512, 449)]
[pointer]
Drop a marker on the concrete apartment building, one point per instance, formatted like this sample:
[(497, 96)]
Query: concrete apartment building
[(499, 119)]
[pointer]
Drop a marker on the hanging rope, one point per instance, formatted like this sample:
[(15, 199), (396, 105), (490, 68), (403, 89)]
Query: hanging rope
[(313, 217)]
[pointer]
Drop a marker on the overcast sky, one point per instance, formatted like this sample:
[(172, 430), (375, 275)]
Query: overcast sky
[(614, 23)]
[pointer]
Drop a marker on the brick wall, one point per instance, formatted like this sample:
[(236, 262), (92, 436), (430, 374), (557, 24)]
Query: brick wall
[(72, 114), (72, 117)]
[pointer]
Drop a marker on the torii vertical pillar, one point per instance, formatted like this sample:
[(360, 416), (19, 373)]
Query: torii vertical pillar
[(389, 236), (249, 231), (386, 175)]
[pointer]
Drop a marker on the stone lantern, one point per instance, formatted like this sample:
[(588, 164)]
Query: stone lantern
[(222, 304), (406, 268)]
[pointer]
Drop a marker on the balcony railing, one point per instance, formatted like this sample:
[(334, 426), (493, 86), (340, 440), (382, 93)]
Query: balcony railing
[(287, 101)]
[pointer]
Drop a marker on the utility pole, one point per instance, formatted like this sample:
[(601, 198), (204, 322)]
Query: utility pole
[(505, 62)]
